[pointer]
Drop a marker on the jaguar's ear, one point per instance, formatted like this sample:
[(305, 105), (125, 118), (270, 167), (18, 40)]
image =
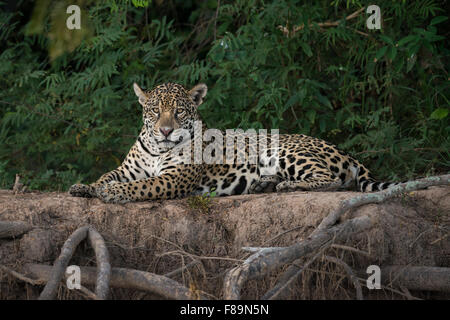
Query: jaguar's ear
[(140, 94), (198, 92)]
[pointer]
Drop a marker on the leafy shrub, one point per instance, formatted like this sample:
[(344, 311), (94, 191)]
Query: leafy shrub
[(70, 115)]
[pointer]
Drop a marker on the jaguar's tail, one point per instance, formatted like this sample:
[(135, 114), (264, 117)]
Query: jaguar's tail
[(366, 183)]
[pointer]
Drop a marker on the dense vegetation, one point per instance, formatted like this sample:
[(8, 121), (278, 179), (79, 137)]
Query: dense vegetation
[(68, 112)]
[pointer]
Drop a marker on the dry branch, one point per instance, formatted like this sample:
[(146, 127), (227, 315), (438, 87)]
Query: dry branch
[(282, 286), (18, 186), (351, 275), (340, 246), (267, 259), (287, 33), (261, 265), (11, 229), (125, 278), (21, 276), (181, 269), (365, 198), (380, 196), (88, 293)]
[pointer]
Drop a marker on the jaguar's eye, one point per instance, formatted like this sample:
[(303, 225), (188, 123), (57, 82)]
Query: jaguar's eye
[(179, 111), (155, 110)]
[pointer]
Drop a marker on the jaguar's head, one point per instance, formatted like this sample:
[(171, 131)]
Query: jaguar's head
[(169, 108)]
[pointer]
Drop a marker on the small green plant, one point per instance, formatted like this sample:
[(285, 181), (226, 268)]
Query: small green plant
[(202, 202)]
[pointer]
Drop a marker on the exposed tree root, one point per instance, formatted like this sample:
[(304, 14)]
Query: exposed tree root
[(417, 277), (380, 196), (103, 266), (298, 257), (265, 260), (60, 265), (259, 265), (128, 279), (11, 229), (102, 276)]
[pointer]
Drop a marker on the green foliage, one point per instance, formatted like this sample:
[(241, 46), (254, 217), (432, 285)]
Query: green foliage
[(201, 202), (382, 95)]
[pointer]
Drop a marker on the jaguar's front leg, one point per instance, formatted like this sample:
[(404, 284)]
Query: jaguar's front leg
[(154, 188), (90, 190), (82, 190)]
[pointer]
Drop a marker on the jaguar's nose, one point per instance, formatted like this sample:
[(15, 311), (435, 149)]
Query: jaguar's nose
[(166, 131)]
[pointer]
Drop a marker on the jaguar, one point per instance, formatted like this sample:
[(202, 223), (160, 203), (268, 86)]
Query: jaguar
[(162, 165)]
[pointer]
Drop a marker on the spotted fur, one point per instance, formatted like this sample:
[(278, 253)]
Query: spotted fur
[(155, 169)]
